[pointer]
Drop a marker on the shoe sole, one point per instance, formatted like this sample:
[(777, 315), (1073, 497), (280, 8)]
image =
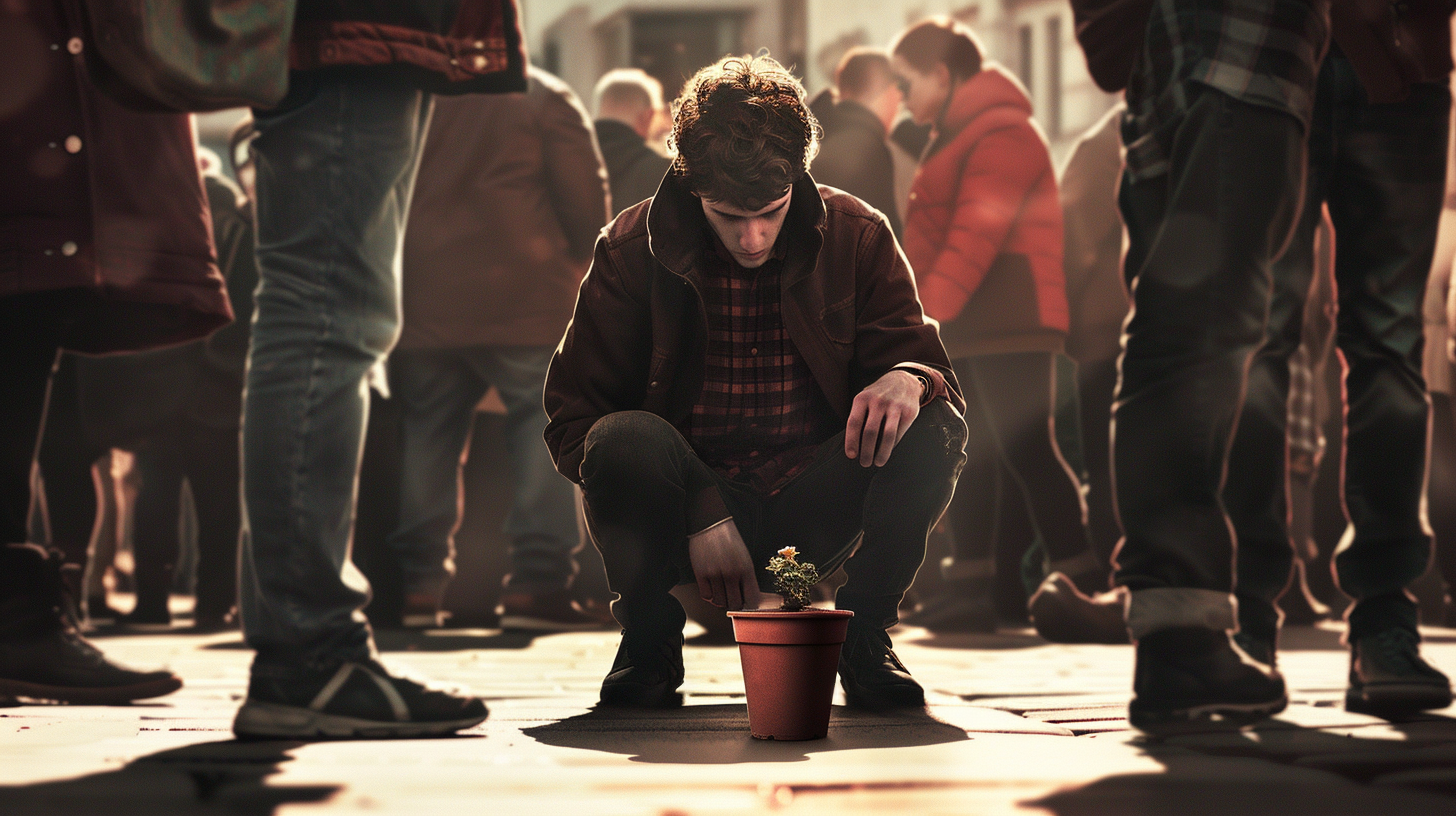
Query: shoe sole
[(83, 695), (1151, 720), (1390, 699), (526, 623), (258, 720)]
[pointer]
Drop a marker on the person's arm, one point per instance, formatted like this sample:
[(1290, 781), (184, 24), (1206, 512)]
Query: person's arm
[(576, 176), (601, 364), (999, 174), (895, 349)]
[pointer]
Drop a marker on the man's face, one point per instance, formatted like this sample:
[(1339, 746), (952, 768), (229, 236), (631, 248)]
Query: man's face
[(749, 235)]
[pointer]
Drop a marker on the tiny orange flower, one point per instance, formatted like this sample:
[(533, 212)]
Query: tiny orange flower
[(788, 553)]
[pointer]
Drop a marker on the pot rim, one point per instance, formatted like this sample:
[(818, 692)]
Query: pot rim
[(798, 613)]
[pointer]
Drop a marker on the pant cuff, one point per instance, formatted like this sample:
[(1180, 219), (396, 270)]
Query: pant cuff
[(1152, 610)]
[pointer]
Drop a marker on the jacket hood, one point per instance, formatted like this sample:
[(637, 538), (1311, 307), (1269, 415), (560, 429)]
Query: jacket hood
[(677, 228), (990, 89)]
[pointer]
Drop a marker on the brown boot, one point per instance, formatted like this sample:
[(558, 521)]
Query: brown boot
[(1062, 613)]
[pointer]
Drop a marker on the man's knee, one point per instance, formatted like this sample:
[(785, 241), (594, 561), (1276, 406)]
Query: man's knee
[(626, 445), (935, 444)]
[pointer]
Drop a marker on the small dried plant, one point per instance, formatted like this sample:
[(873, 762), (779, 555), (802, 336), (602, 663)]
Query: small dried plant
[(793, 578)]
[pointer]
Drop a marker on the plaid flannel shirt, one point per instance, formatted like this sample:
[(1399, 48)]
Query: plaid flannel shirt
[(1263, 52), (761, 415)]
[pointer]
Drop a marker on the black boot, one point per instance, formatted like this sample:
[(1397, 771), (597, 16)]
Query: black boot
[(42, 654), (873, 677), (647, 672), (1189, 674), (1388, 676)]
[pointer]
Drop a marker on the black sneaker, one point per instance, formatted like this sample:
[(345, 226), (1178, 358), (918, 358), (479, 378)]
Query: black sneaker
[(873, 676), (1192, 674), (61, 665), (351, 699), (646, 674), (1388, 677)]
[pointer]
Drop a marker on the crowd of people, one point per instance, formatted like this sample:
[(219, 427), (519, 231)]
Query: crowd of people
[(1157, 376)]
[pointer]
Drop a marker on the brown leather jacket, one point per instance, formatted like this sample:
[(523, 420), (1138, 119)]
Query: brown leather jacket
[(638, 337)]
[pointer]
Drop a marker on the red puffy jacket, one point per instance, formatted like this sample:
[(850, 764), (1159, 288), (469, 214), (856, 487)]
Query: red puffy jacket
[(983, 231)]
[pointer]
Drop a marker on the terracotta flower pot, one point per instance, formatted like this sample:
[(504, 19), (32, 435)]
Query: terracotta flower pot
[(789, 664)]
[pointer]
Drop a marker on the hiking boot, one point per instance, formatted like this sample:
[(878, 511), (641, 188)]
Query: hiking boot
[(1191, 674), (1062, 613), (42, 653), (1388, 677), (63, 666), (358, 699), (873, 676), (555, 611), (647, 672)]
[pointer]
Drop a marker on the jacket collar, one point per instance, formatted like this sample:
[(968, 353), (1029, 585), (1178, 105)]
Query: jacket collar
[(678, 233)]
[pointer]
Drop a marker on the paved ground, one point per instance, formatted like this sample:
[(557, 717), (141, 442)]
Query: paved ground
[(1015, 725)]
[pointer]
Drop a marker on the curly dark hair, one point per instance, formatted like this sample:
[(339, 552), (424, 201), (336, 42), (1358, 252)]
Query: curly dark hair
[(743, 132)]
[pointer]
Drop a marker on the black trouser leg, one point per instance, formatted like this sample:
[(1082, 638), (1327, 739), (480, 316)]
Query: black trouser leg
[(157, 512), (212, 470), (66, 457)]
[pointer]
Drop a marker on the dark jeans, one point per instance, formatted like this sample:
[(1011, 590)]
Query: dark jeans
[(1381, 170), (1012, 457), (437, 391), (1096, 383), (1203, 239), (336, 164), (68, 450), (638, 475), (208, 459)]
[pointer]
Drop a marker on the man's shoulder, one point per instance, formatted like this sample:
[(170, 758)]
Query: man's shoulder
[(628, 228), (847, 211)]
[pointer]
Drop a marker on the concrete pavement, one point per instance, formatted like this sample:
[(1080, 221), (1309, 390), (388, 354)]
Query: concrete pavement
[(1015, 726)]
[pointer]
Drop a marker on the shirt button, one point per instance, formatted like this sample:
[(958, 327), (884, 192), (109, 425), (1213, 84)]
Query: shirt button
[(74, 45), (753, 351), (73, 144), (69, 248)]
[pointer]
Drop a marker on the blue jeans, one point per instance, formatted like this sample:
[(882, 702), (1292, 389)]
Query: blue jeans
[(336, 163), (438, 390)]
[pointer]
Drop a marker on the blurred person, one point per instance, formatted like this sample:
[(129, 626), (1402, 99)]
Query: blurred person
[(188, 401), (335, 165), (854, 155), (628, 105), (984, 236), (748, 368), (106, 232), (1228, 105), (520, 174), (1437, 369)]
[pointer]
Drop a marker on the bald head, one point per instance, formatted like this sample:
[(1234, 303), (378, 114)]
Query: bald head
[(629, 96)]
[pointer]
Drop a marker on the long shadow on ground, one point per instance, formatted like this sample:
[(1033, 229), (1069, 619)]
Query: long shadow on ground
[(211, 777), (718, 734)]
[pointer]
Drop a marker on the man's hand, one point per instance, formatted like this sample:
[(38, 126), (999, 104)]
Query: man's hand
[(723, 567), (880, 416)]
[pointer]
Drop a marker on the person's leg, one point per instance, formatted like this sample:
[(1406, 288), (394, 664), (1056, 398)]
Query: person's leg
[(1256, 488), (542, 521), (1203, 236), (891, 509), (212, 470), (437, 391), (966, 600), (1017, 392), (1442, 493), (41, 653), (159, 463), (66, 457), (1096, 382), (1385, 208), (335, 166), (644, 491)]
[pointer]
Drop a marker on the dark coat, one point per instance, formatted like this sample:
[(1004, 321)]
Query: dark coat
[(638, 338), (97, 197), (633, 168), (854, 157), (510, 197), (1391, 45), (984, 228), (445, 46)]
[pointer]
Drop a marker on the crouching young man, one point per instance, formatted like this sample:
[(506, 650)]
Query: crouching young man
[(748, 368)]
